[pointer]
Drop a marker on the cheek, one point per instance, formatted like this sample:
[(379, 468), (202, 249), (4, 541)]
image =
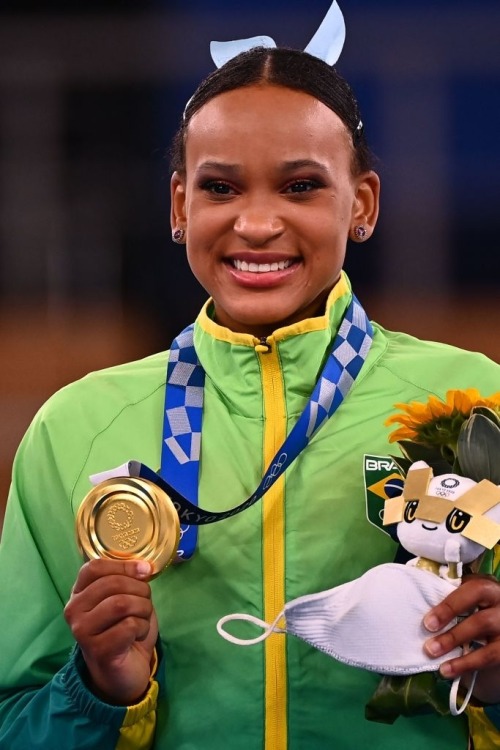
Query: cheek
[(197, 256), (205, 224), (331, 229), (469, 551), (405, 535)]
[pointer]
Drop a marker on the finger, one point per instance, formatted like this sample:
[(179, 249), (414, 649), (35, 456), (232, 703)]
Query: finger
[(105, 587), (476, 591), (109, 613), (477, 659), (483, 625), (118, 608), (116, 641), (94, 569)]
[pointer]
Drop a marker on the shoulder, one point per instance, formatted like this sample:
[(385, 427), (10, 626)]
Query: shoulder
[(99, 421), (99, 397), (433, 366)]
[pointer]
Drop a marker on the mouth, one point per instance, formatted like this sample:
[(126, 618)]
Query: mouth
[(429, 528), (252, 267)]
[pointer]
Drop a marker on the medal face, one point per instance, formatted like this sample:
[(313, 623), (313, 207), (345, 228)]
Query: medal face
[(127, 518)]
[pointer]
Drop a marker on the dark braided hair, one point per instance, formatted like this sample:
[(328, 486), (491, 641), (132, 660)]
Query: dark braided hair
[(281, 67)]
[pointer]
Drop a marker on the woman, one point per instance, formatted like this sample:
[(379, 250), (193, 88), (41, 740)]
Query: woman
[(271, 177)]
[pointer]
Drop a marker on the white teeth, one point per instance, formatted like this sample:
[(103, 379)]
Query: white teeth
[(242, 265)]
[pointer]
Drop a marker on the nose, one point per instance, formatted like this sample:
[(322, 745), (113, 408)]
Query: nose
[(258, 224)]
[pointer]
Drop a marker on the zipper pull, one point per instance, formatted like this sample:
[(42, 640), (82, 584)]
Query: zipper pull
[(263, 347)]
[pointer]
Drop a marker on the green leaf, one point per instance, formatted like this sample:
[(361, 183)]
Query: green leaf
[(487, 412), (478, 449), (402, 463), (432, 455), (411, 695)]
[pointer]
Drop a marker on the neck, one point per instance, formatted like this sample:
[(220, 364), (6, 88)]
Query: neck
[(258, 326)]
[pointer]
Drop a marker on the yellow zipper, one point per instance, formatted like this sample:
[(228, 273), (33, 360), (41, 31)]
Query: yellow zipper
[(273, 533)]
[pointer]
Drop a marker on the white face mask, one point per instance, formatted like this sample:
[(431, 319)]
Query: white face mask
[(373, 622)]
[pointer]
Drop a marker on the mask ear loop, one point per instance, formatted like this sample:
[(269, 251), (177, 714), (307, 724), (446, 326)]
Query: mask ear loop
[(268, 629), (454, 709)]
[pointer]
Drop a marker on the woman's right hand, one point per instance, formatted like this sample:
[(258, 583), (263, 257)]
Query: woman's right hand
[(111, 616)]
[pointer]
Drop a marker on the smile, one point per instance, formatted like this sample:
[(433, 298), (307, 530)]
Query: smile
[(242, 265), (429, 528)]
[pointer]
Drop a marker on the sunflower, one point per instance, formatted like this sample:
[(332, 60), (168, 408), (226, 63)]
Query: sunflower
[(438, 422)]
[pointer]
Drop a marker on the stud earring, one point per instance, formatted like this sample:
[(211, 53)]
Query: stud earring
[(359, 232), (178, 236)]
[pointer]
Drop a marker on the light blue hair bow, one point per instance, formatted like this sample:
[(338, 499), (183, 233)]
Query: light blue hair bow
[(326, 44)]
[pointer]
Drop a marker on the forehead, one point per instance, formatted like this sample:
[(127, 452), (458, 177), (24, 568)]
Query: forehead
[(276, 119)]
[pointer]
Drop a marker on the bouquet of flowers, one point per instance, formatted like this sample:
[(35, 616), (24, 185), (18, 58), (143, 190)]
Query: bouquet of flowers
[(460, 434)]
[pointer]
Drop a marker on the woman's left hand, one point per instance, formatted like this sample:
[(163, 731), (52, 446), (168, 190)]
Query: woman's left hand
[(480, 596)]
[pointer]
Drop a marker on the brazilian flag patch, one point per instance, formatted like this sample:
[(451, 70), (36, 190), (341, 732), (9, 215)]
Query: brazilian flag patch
[(383, 480)]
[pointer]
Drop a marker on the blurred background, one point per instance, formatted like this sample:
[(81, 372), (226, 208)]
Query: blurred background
[(89, 100)]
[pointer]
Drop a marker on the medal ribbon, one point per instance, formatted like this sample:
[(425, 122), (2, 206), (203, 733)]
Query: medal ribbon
[(179, 471)]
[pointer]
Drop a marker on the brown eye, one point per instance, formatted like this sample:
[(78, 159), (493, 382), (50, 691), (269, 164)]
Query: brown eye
[(457, 521), (410, 510), (303, 186), (217, 188)]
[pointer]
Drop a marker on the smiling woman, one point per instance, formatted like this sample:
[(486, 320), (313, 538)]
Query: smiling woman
[(283, 384), (289, 161)]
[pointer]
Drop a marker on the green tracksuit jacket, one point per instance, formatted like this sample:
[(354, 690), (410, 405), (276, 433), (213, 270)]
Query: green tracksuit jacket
[(309, 533)]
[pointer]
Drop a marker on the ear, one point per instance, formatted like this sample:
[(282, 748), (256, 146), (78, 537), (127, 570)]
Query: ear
[(366, 202), (178, 218)]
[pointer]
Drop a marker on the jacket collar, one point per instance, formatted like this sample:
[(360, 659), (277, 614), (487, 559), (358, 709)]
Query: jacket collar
[(336, 305), (233, 364)]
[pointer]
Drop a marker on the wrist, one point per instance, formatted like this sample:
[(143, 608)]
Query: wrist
[(115, 687)]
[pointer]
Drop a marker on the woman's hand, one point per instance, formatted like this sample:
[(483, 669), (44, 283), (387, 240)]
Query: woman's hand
[(111, 616), (480, 596)]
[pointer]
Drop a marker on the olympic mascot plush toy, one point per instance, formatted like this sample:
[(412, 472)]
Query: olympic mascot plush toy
[(445, 521)]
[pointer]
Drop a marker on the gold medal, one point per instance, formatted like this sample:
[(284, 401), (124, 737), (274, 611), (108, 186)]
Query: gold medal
[(127, 518)]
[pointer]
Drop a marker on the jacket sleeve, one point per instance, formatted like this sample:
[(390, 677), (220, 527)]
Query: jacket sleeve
[(64, 711), (44, 702)]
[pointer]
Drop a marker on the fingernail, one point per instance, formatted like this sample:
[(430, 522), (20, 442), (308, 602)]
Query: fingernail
[(143, 568), (431, 622), (446, 669), (433, 648)]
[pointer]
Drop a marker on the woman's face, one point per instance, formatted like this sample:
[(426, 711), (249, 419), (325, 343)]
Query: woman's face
[(267, 201)]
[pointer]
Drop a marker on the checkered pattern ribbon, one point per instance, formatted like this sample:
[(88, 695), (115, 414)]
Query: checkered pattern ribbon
[(184, 409), (184, 406)]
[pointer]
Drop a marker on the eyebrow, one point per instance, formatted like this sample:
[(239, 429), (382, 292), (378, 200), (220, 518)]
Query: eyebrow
[(284, 167), (290, 166), (228, 169)]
